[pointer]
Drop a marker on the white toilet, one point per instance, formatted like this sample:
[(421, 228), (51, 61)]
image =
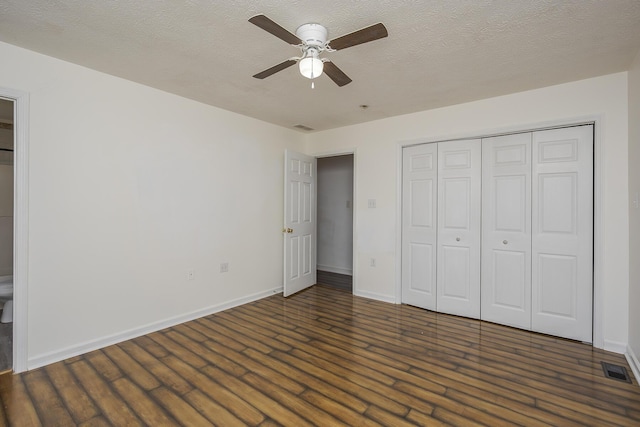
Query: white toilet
[(6, 295)]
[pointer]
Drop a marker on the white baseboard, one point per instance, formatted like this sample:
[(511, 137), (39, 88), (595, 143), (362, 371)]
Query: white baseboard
[(76, 350), (337, 270), (615, 346), (634, 363), (375, 296)]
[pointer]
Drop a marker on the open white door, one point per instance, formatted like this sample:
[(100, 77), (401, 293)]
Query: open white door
[(299, 222)]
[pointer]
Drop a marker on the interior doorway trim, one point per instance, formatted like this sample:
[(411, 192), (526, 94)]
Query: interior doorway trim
[(598, 208), (354, 206), (20, 224)]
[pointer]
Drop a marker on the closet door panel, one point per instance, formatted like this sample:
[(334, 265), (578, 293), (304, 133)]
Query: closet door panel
[(509, 269), (562, 247), (458, 258), (506, 230), (419, 228)]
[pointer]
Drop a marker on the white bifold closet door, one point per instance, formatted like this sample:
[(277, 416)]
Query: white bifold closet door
[(502, 229), (562, 233), (458, 256), (441, 227), (506, 230), (419, 227), (537, 231)]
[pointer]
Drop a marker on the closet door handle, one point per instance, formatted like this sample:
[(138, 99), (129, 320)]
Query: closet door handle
[(504, 242), (457, 239)]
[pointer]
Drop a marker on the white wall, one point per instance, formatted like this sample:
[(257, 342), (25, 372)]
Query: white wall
[(335, 214), (130, 188), (378, 176), (634, 211)]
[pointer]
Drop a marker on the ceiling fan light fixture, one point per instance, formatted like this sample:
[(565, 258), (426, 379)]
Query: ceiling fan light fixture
[(311, 66), (311, 39)]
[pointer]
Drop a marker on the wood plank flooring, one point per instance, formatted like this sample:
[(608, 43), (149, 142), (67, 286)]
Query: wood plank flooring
[(6, 346), (335, 280), (323, 357)]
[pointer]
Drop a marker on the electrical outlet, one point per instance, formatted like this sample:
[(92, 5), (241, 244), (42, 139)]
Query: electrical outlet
[(371, 203), (224, 267), (373, 262), (191, 275)]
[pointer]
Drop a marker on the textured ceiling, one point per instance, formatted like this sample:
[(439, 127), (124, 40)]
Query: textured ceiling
[(438, 53)]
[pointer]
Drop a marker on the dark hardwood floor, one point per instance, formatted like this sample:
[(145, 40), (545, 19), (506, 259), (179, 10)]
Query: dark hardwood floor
[(335, 280), (323, 357), (6, 346)]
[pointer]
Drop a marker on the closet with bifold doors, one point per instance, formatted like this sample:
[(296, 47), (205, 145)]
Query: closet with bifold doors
[(501, 229), (441, 227)]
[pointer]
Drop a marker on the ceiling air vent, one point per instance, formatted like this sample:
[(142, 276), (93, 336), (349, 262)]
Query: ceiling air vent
[(303, 127)]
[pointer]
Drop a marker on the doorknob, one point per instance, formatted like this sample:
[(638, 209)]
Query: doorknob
[(457, 239), (504, 242), (287, 230)]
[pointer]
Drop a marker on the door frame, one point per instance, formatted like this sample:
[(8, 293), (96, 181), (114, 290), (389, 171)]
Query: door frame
[(354, 206), (597, 121), (20, 224)]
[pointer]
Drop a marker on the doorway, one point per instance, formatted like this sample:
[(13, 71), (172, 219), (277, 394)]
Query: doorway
[(334, 250), (6, 232), (20, 110)]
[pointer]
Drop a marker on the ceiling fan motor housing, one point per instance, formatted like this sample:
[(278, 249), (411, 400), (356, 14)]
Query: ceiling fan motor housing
[(312, 34)]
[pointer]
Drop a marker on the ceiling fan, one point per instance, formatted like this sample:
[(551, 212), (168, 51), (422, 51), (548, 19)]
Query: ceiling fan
[(312, 41)]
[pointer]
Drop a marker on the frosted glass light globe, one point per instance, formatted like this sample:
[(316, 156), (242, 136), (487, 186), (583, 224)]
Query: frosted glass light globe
[(310, 67)]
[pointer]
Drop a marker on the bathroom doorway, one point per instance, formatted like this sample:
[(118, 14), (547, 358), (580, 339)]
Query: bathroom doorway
[(335, 221), (6, 232)]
